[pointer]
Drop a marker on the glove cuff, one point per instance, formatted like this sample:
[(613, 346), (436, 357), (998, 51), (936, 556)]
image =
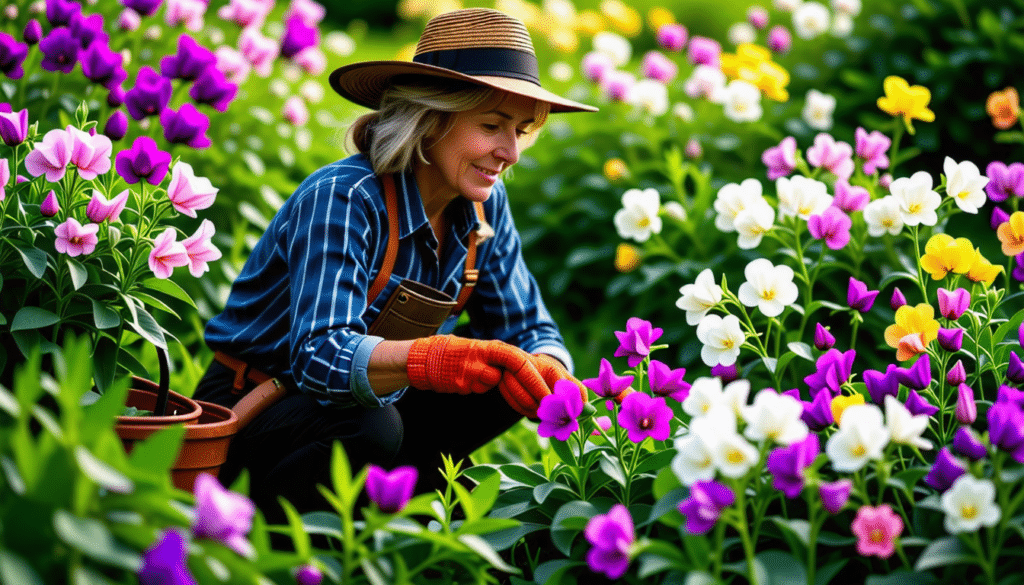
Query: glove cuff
[(416, 365)]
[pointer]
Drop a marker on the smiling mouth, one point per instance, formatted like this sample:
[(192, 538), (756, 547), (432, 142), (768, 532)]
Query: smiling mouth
[(488, 172)]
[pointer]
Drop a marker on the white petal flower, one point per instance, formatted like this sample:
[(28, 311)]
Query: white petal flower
[(741, 32), (860, 438), (649, 95), (734, 456), (675, 210), (965, 184), (693, 460), (698, 298), (706, 82), (683, 111), (818, 109), (918, 201), (775, 417), (734, 198), (638, 218), (734, 397), (970, 504), (753, 223), (722, 339), (904, 427), (742, 101), (769, 288), (842, 25), (801, 196), (810, 19), (615, 46), (705, 394), (883, 215)]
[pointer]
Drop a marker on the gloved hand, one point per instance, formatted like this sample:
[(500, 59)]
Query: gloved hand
[(450, 364), (552, 370)]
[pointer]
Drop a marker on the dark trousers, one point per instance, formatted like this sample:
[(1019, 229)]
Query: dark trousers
[(287, 448)]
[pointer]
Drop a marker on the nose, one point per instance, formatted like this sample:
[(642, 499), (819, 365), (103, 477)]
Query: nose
[(508, 148)]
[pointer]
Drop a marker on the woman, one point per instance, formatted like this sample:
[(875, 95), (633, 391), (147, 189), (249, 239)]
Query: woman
[(314, 307)]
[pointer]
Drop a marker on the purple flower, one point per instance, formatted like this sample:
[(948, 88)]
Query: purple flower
[(595, 65), (998, 217), (635, 342), (823, 338), (817, 414), (779, 39), (558, 412), (643, 416), (704, 51), (611, 536), (880, 385), (1006, 428), (607, 384), (672, 36), (917, 404), (832, 370), (49, 206), (60, 51), (189, 62), (966, 409), (186, 126), (780, 159), (668, 382), (835, 494), (967, 443), (298, 35), (12, 56), (787, 464), (1004, 180), (213, 89), (101, 65), (99, 209), (951, 340), (953, 304), (61, 12), (116, 126), (658, 67), (143, 161), (151, 94), (115, 97), (222, 515), (164, 562), (859, 297), (957, 374), (707, 500), (872, 149), (1015, 369), (88, 29), (832, 225), (13, 125), (725, 373), (757, 16), (850, 198), (392, 490), (1010, 394), (32, 33), (836, 157), (1020, 334), (917, 376), (308, 575), (143, 7), (898, 299), (945, 471)]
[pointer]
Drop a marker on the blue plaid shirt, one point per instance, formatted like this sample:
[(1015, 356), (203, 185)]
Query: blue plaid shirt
[(298, 309)]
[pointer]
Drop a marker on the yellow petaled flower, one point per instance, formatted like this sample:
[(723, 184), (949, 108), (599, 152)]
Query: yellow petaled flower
[(755, 53), (912, 321), (983, 271), (943, 254), (753, 64), (615, 169), (658, 17), (1011, 234), (902, 99), (627, 258), (840, 403), (1004, 107), (773, 81), (563, 39), (589, 23), (623, 17)]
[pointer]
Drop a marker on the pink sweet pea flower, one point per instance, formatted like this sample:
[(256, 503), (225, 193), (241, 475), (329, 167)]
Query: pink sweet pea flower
[(100, 210), (49, 207), (295, 111), (91, 154), (74, 239), (832, 225), (200, 249), (312, 60), (872, 149), (850, 198), (876, 529), (260, 50), (233, 64), (836, 157), (187, 12), (603, 422), (51, 156), (5, 177), (309, 11), (658, 67), (246, 13), (167, 254), (559, 411), (643, 416), (780, 159), (188, 192), (223, 515), (636, 341)]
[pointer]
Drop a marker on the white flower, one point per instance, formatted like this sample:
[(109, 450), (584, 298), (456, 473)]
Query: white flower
[(638, 218), (753, 223), (801, 196), (787, 5), (970, 504), (917, 200), (742, 101), (734, 397), (706, 82), (842, 25), (883, 215), (733, 455), (675, 210), (339, 43), (775, 416), (650, 96), (741, 32), (904, 427), (699, 297), (705, 394), (693, 460), (861, 437), (769, 288), (965, 184), (734, 198), (818, 109), (810, 19), (683, 111), (722, 339), (560, 71), (615, 46), (312, 91), (847, 7)]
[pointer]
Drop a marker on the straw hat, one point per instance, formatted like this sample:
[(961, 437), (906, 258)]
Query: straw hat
[(477, 45)]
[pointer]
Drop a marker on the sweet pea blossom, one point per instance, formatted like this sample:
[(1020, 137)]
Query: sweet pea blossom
[(185, 126), (706, 82), (835, 157), (143, 161), (872, 149), (308, 575), (861, 437), (295, 111), (945, 471), (635, 342), (608, 384), (707, 500), (150, 94), (1004, 180), (233, 64), (734, 198), (704, 51), (644, 416), (90, 154), (775, 417), (246, 13), (223, 515), (638, 219), (779, 39), (818, 110), (966, 410), (1006, 428), (953, 304), (74, 239), (60, 50), (810, 19), (188, 192), (12, 56), (742, 101), (52, 156), (801, 196), (199, 247), (672, 36), (617, 84), (787, 464), (970, 504), (558, 412), (967, 443), (918, 201), (698, 298), (611, 535), (817, 413), (259, 49), (850, 198), (859, 297), (722, 338), (769, 288), (658, 67), (666, 381), (116, 126), (780, 159), (943, 254), (49, 207), (965, 184), (902, 99), (13, 125), (752, 223), (832, 226), (733, 455), (835, 494), (705, 394), (167, 254), (391, 490), (5, 177), (100, 209), (883, 216), (905, 428), (832, 369), (164, 563), (694, 459), (876, 529)]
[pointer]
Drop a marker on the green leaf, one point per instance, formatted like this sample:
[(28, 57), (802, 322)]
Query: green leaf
[(35, 260), (79, 275), (93, 539), (902, 577), (158, 451), (104, 317), (300, 538), (655, 462), (562, 537), (824, 575), (14, 569), (522, 474), (552, 572), (372, 572), (506, 538), (782, 568), (801, 349), (480, 547), (486, 492), (541, 492), (1009, 137), (146, 326), (948, 550), (149, 300), (33, 318), (326, 523), (102, 473), (612, 468)]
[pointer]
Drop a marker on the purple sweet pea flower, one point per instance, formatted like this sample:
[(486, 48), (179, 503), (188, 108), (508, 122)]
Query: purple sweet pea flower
[(186, 126), (823, 338), (817, 414), (836, 157), (61, 12), (917, 404), (12, 56), (1015, 369), (143, 161), (101, 65), (966, 409), (707, 500), (880, 385), (668, 382), (143, 7), (725, 373), (917, 376), (957, 374), (832, 225), (898, 299), (607, 384), (643, 416), (1020, 334), (835, 494), (559, 411), (672, 36), (952, 304), (787, 464), (151, 94), (832, 370), (780, 39), (636, 341), (967, 443), (60, 50), (213, 89), (859, 297), (100, 209), (222, 515), (872, 149), (704, 51), (308, 575), (998, 217), (49, 207), (945, 471), (88, 29), (115, 97), (1004, 180), (850, 198), (116, 126), (298, 35), (1011, 395), (189, 62), (951, 340), (658, 67), (1018, 267), (392, 490), (13, 125), (780, 159), (1006, 428), (164, 562), (32, 33), (611, 536)]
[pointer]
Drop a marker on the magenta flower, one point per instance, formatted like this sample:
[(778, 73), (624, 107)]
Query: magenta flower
[(295, 111), (917, 376), (998, 217), (635, 342), (1020, 334), (957, 374), (831, 225), (1006, 428), (310, 11), (944, 471), (859, 297), (704, 51), (167, 254), (836, 157), (832, 369), (817, 414), (707, 500), (787, 464), (835, 494), (298, 35), (607, 384), (5, 177), (880, 385), (951, 340), (213, 89), (559, 411), (52, 156), (668, 382), (188, 192), (1004, 180), (850, 198), (88, 30), (13, 125), (966, 409), (116, 126), (200, 249), (100, 209), (74, 239), (917, 404), (779, 39), (898, 299), (222, 515), (694, 150), (191, 60), (308, 575), (392, 490), (595, 65), (872, 149), (953, 304), (164, 563), (876, 529), (62, 12), (90, 153), (672, 36), (32, 32), (757, 16), (967, 443), (259, 50), (150, 95), (143, 7), (823, 338), (617, 84), (312, 60), (780, 159), (60, 50), (603, 422), (12, 56), (643, 416), (610, 536), (143, 161), (185, 126), (658, 67), (725, 373), (49, 207), (1015, 369), (129, 20), (186, 12)]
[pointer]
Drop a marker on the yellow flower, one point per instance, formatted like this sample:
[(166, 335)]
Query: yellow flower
[(659, 16), (902, 99), (627, 257), (589, 22), (916, 321), (842, 402), (982, 270), (773, 81), (1011, 234), (753, 64), (563, 39), (623, 17), (615, 169), (943, 254)]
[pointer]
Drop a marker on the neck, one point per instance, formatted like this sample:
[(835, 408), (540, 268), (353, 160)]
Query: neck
[(435, 195)]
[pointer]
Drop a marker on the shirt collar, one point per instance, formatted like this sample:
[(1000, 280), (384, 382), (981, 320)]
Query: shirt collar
[(414, 216)]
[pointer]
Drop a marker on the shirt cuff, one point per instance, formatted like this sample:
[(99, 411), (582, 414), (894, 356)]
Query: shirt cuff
[(359, 382), (558, 353)]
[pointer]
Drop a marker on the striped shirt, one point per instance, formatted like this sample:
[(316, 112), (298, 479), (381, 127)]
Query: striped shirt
[(298, 310)]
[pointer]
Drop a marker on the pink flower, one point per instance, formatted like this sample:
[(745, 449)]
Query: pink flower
[(167, 254), (559, 411), (51, 156), (188, 192), (200, 248), (74, 239), (222, 515), (704, 51), (50, 207), (595, 65), (233, 64), (100, 210), (187, 12), (309, 11), (603, 422), (91, 154), (260, 50), (246, 13), (5, 177), (643, 416), (295, 111), (312, 60), (836, 157), (876, 529), (672, 36), (129, 20), (658, 67), (779, 39), (616, 84), (872, 148), (850, 198), (832, 225), (757, 16), (780, 159)]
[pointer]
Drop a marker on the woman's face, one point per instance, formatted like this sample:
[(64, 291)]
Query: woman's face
[(481, 143)]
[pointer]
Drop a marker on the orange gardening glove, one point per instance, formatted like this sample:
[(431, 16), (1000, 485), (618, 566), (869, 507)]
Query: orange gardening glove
[(553, 370), (450, 364)]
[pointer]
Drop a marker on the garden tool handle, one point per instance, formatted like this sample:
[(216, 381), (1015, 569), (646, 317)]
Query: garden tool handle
[(257, 400)]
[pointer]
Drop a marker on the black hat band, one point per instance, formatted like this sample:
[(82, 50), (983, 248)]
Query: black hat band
[(485, 61)]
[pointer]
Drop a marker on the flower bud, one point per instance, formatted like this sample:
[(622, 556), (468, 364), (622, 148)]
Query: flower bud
[(693, 149), (1015, 370), (834, 495), (308, 575), (951, 340), (32, 33), (726, 373), (116, 126), (957, 374), (966, 408), (885, 180), (898, 299), (823, 338), (998, 217), (49, 207), (967, 443)]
